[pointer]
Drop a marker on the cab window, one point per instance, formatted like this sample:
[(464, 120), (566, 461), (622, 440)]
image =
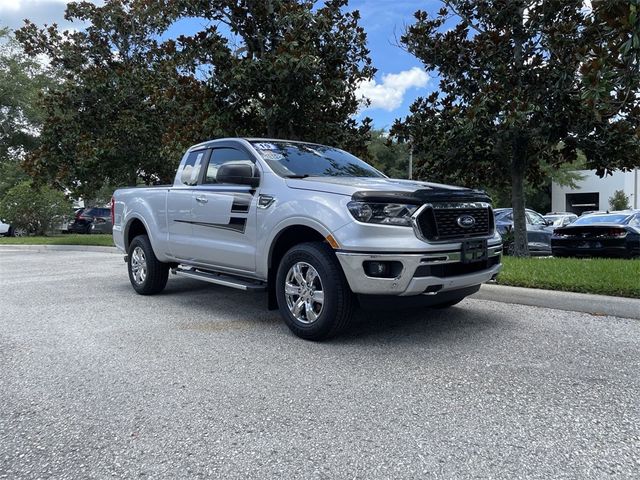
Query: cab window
[(220, 156), (189, 170)]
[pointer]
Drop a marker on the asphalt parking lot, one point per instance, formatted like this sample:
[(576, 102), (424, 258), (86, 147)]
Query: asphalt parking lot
[(203, 381)]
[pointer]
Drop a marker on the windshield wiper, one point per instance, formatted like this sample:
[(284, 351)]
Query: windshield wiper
[(297, 176)]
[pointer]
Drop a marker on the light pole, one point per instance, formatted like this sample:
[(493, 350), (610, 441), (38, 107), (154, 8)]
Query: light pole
[(410, 158)]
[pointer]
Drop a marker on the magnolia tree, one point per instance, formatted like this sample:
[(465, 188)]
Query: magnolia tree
[(524, 86), (132, 99)]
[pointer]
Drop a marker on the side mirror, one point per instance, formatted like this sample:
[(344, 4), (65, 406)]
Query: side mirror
[(238, 173)]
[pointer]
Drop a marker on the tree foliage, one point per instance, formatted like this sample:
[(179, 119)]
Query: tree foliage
[(619, 201), (21, 81), (388, 155), (106, 119), (288, 70), (132, 99), (33, 209), (525, 84)]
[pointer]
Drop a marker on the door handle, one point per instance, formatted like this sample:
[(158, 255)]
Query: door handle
[(202, 199)]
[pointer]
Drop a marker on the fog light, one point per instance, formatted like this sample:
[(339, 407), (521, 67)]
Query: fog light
[(376, 269), (390, 269)]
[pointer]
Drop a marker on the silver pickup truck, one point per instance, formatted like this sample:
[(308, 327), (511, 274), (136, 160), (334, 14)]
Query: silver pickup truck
[(316, 228)]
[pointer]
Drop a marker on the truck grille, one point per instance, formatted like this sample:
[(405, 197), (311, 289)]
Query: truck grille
[(441, 223)]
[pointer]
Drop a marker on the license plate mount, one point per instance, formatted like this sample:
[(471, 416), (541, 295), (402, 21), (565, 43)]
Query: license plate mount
[(474, 251)]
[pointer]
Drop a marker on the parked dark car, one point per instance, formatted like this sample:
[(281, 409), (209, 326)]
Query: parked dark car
[(538, 230), (615, 234), (92, 220)]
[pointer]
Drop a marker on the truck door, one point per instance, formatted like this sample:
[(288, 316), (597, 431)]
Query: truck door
[(224, 217), (180, 204)]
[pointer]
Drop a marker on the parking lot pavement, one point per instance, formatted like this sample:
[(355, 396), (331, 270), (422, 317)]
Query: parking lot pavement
[(203, 381)]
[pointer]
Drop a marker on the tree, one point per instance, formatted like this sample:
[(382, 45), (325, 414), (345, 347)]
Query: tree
[(291, 71), (34, 209), (619, 201), (115, 109), (524, 85), (21, 81), (131, 103), (388, 155)]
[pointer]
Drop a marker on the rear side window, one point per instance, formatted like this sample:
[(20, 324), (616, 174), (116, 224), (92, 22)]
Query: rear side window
[(220, 156), (535, 219), (189, 170)]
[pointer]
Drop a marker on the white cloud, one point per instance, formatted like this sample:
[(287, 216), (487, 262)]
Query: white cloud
[(389, 94), (14, 12)]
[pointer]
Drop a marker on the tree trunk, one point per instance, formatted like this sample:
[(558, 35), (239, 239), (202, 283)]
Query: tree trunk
[(520, 244), (519, 149)]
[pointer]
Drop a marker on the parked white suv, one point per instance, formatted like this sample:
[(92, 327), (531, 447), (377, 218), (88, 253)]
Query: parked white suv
[(8, 231)]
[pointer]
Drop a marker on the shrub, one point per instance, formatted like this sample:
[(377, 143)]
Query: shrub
[(619, 201), (35, 210)]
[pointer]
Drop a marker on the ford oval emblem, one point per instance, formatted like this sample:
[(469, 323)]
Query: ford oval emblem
[(466, 221)]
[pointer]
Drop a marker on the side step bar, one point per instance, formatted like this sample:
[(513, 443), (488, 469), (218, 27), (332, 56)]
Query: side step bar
[(221, 279)]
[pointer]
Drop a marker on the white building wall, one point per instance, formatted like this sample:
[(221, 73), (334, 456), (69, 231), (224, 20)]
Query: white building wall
[(625, 181)]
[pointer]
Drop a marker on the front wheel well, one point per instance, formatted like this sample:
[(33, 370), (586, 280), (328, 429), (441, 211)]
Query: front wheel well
[(286, 239)]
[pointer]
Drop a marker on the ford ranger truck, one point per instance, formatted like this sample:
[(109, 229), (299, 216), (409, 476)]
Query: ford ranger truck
[(315, 227)]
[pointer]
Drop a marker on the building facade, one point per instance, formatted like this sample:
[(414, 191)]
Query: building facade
[(593, 192)]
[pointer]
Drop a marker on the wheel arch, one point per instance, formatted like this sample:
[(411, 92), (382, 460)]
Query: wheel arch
[(284, 240), (135, 226)]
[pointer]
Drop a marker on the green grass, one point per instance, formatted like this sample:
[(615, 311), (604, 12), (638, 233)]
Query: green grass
[(595, 275), (602, 276), (71, 239)]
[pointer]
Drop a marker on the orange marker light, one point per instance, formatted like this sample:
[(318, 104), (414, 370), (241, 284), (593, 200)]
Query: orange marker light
[(332, 241)]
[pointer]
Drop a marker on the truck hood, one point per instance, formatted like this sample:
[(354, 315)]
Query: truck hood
[(387, 189)]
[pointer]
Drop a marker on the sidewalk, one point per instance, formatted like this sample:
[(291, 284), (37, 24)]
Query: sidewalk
[(64, 248)]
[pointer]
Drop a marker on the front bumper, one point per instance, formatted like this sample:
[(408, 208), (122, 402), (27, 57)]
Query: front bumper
[(407, 283)]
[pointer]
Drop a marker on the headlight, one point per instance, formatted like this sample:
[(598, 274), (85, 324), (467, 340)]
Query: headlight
[(383, 213)]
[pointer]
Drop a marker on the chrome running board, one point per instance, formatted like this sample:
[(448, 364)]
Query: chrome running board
[(221, 279)]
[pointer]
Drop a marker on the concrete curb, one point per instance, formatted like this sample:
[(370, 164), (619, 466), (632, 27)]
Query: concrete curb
[(574, 302), (64, 248)]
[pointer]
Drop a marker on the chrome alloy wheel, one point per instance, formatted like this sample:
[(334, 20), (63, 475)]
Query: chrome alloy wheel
[(138, 265), (303, 292)]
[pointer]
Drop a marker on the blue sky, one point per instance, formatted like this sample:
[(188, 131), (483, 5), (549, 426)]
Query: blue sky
[(400, 78)]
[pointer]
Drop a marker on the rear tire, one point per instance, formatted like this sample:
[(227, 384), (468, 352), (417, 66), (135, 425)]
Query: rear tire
[(313, 296), (147, 274)]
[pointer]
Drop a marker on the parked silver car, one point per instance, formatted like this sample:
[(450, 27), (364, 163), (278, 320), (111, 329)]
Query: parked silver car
[(560, 219)]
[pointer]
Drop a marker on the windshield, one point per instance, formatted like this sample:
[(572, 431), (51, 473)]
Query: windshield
[(291, 159), (591, 219)]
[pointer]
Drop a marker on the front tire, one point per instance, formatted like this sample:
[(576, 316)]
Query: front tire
[(314, 298), (147, 274), (16, 232)]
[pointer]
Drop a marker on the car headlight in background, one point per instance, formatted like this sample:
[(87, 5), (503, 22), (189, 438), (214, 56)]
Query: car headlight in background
[(382, 213)]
